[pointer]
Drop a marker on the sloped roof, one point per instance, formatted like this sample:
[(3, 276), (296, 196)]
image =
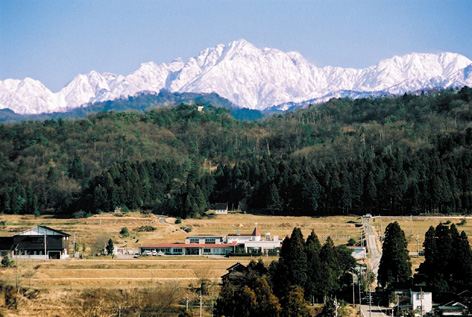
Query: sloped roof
[(256, 232), (234, 266), (221, 206), (6, 243), (188, 245), (41, 230)]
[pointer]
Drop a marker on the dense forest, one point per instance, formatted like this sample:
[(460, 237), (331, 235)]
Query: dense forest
[(390, 155)]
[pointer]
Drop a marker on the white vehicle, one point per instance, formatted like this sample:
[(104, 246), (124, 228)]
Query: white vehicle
[(147, 252), (160, 253), (154, 253)]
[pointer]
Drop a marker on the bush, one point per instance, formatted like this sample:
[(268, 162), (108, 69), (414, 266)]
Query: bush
[(186, 229), (79, 214), (463, 222), (351, 242), (6, 262), (178, 220), (146, 229), (124, 232)]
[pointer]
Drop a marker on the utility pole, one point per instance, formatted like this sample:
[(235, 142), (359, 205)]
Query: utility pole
[(353, 293), (201, 303), (336, 306), (417, 245), (370, 302), (45, 246), (359, 285)]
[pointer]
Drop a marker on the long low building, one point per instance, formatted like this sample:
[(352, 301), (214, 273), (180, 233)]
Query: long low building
[(189, 248), (208, 244)]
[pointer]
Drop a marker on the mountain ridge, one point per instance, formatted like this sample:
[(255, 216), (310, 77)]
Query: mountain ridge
[(248, 76)]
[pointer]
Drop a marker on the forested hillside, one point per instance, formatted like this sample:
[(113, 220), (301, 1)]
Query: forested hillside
[(391, 155)]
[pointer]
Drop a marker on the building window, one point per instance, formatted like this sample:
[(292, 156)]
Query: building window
[(194, 240), (210, 240), (206, 250), (177, 250)]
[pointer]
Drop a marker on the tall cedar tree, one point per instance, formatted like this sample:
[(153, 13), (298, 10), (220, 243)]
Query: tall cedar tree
[(291, 268), (395, 265), (329, 268), (314, 269)]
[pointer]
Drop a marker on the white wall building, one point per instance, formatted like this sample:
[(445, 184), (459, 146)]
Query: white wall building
[(422, 302)]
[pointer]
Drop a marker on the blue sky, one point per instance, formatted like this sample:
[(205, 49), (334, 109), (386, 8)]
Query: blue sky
[(53, 41)]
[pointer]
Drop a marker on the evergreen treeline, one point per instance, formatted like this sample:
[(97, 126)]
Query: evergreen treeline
[(447, 265), (392, 155), (448, 259), (305, 271)]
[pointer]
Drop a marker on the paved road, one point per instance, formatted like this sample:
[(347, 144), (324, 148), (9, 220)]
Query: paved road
[(376, 311), (375, 253), (374, 258)]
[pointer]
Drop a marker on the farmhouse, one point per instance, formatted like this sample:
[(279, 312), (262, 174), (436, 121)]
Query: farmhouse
[(221, 208), (38, 243), (236, 273), (415, 299)]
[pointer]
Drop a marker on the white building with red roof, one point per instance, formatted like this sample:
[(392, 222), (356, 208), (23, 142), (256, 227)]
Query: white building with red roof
[(207, 244), (189, 248)]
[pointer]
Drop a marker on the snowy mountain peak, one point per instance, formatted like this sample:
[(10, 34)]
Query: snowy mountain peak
[(249, 77)]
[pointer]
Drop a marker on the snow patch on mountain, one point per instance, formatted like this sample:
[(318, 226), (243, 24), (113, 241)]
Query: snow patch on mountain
[(247, 76)]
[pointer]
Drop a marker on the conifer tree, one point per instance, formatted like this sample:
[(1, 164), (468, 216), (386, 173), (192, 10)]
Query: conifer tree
[(463, 271), (110, 247), (395, 265), (430, 251), (294, 303), (314, 268), (267, 302)]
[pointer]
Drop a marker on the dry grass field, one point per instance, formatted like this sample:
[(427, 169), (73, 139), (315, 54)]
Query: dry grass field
[(55, 286), (89, 230), (73, 278), (416, 227)]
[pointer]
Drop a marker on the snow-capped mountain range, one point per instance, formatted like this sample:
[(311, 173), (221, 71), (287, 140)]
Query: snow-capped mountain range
[(248, 76)]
